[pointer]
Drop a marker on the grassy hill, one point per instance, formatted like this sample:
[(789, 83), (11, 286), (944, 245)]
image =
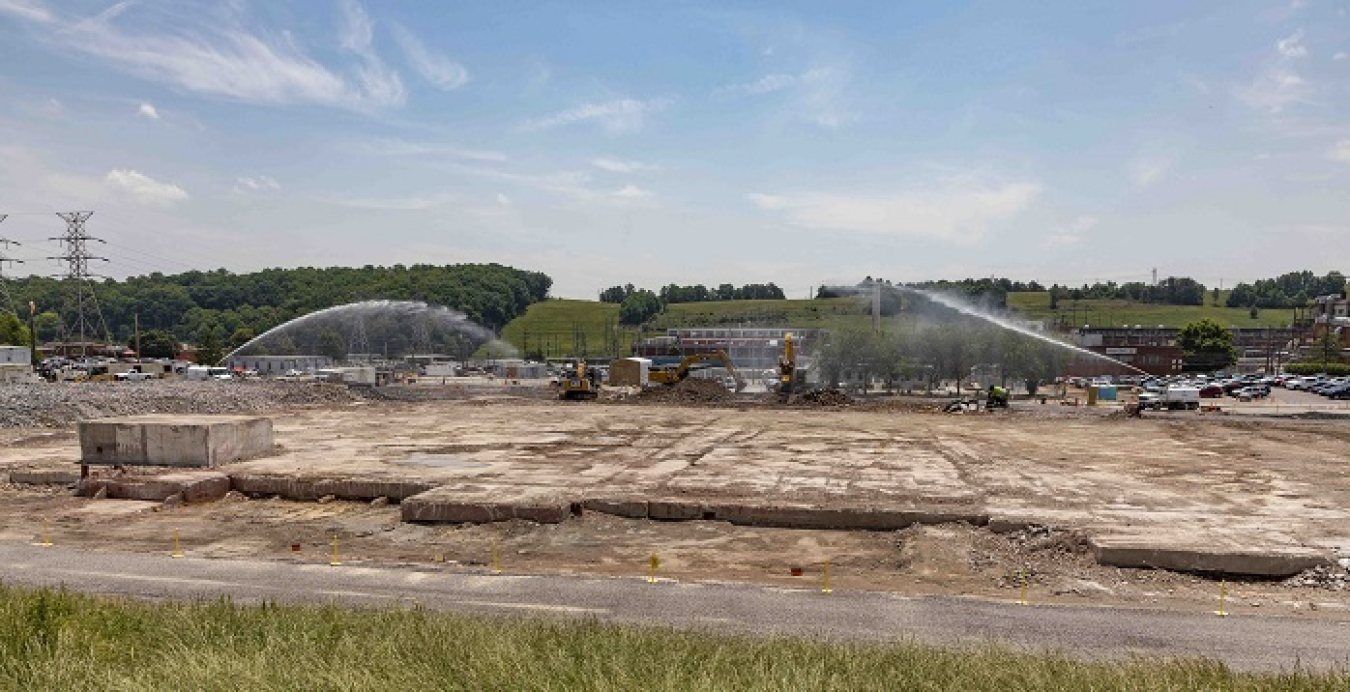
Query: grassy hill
[(1118, 313), (560, 328)]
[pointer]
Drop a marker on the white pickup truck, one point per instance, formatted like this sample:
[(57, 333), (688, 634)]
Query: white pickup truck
[(1171, 399)]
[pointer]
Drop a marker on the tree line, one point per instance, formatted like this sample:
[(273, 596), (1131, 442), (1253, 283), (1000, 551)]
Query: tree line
[(1295, 289), (638, 305), (232, 308)]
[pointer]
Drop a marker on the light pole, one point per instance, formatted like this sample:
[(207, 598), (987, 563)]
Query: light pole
[(32, 335)]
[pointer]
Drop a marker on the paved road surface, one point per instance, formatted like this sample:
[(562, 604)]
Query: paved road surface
[(1244, 642)]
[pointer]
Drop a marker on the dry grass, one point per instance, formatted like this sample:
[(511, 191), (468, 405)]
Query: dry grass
[(60, 641)]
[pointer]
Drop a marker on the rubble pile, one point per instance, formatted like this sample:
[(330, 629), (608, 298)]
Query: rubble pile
[(688, 391), (1333, 577), (826, 397), (56, 405)]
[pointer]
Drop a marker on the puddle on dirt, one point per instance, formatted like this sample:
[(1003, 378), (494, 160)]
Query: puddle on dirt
[(443, 461)]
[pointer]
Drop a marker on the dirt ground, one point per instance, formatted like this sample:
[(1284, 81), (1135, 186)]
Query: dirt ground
[(1187, 481)]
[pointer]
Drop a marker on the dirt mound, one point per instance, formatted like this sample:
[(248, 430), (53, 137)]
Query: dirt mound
[(689, 391)]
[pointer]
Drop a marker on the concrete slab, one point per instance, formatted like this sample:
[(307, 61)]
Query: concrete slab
[(312, 488), (173, 440), (1140, 551), (194, 486), (483, 504), (45, 476)]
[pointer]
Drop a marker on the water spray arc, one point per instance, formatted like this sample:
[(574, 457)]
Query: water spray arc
[(415, 317), (972, 311)]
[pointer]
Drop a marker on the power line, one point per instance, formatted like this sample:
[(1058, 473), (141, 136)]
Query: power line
[(79, 313)]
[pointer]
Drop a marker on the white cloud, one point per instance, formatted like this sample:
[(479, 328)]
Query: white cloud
[(1147, 170), (1275, 90), (819, 93), (144, 189), (434, 67), (260, 183), (632, 192), (398, 147), (147, 110), (621, 166), (30, 10), (1340, 152), (764, 85), (959, 211), (222, 58), (1342, 55), (503, 200), (621, 115), (1292, 47), (1070, 233)]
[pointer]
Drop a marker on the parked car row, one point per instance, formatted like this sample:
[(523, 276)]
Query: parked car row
[(1330, 387)]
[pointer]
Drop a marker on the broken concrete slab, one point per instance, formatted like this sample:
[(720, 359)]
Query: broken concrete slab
[(483, 504), (310, 488), (199, 486), (1254, 561), (174, 440), (45, 476), (629, 508)]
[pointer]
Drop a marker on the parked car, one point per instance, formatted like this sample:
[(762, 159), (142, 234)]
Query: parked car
[(1212, 391), (1341, 392)]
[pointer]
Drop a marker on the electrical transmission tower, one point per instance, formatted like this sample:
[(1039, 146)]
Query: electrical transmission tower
[(80, 315), (8, 300), (358, 342)]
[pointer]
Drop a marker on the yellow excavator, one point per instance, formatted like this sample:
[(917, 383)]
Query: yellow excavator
[(580, 385), (787, 367), (678, 373)]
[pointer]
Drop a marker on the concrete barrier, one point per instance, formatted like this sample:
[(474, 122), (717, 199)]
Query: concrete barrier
[(45, 476)]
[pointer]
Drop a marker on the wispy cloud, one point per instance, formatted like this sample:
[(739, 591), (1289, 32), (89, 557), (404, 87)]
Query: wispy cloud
[(30, 10), (632, 192), (620, 115), (621, 166), (1340, 151), (144, 189), (221, 57), (398, 147), (1149, 169), (260, 183), (1070, 233), (1341, 55), (434, 67), (819, 93), (959, 211), (1292, 47), (147, 110)]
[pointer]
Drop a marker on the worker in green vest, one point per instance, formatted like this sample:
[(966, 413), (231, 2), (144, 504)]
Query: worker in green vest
[(998, 397)]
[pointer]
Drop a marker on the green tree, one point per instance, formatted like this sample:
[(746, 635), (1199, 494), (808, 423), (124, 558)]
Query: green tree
[(47, 325), (1207, 346), (240, 337), (156, 343), (208, 347), (1327, 347), (330, 344), (12, 330), (639, 307)]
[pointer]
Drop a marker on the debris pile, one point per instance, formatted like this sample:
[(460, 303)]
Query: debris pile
[(826, 397), (1333, 577), (687, 391), (55, 405)]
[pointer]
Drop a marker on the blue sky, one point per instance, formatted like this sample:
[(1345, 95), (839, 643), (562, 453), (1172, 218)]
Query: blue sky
[(604, 143)]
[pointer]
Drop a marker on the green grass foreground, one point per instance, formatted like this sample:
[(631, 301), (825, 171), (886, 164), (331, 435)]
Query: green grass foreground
[(63, 641)]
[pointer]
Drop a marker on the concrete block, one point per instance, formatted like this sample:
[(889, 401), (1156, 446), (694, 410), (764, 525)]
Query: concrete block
[(307, 489), (1134, 551), (45, 476), (165, 440), (480, 505), (619, 507)]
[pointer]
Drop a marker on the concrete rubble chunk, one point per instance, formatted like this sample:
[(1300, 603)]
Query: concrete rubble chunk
[(1253, 561), (481, 505)]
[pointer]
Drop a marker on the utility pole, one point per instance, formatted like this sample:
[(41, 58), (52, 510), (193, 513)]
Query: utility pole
[(80, 313), (4, 259), (136, 322)]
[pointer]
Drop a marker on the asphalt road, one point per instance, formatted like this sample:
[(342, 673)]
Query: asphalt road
[(1244, 642)]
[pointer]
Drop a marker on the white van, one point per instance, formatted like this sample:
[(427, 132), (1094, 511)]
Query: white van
[(202, 373)]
